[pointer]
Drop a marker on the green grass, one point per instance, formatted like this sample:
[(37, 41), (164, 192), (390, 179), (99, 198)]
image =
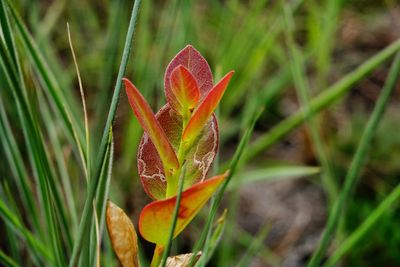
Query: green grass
[(56, 169)]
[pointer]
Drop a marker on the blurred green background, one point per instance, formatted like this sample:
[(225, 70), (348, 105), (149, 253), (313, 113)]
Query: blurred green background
[(285, 186)]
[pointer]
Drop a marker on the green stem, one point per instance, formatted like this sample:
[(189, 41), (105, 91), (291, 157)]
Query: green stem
[(174, 217), (172, 181), (158, 251), (216, 200)]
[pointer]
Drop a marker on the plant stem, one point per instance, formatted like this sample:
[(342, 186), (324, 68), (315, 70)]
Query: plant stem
[(158, 251), (216, 200), (174, 217), (172, 181)]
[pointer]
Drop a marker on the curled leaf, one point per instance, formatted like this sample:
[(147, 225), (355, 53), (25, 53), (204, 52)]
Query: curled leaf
[(193, 61), (182, 260), (123, 235), (198, 159), (185, 90), (156, 218), (205, 110), (151, 126)]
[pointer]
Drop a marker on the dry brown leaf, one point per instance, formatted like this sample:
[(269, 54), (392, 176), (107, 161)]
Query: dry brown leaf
[(181, 260), (123, 235)]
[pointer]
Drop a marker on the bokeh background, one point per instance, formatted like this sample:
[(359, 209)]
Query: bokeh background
[(279, 194)]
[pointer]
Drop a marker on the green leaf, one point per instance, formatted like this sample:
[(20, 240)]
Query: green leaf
[(357, 162), (95, 177), (328, 97), (275, 173)]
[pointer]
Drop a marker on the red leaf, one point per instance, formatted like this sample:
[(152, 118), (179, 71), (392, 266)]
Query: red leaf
[(151, 126), (198, 159), (205, 109), (156, 218), (185, 90), (190, 58)]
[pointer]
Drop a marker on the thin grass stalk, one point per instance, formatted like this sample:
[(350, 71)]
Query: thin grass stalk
[(13, 240), (275, 86), (38, 157), (9, 199), (355, 237), (357, 162), (14, 248), (174, 218), (37, 247), (63, 108), (323, 24), (110, 57), (17, 167), (7, 261), (60, 161), (86, 161), (255, 246), (216, 200), (101, 199), (320, 102), (301, 84), (36, 147), (9, 39), (165, 32), (93, 183), (235, 54), (24, 97)]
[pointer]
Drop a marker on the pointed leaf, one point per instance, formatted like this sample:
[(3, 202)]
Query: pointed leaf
[(156, 218), (198, 159), (185, 90), (205, 109), (123, 235), (151, 126), (191, 59)]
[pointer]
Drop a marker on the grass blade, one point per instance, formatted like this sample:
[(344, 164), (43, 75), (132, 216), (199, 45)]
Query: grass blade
[(70, 121), (216, 200), (16, 224), (322, 101), (102, 196), (357, 162), (297, 66), (15, 161), (93, 185), (255, 246), (38, 156), (364, 228), (275, 173), (6, 260)]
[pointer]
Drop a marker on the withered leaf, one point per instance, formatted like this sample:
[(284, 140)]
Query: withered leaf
[(123, 235), (181, 260)]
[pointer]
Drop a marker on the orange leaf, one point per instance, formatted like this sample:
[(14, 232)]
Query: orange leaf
[(185, 90), (205, 109), (156, 218), (151, 126), (123, 235)]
